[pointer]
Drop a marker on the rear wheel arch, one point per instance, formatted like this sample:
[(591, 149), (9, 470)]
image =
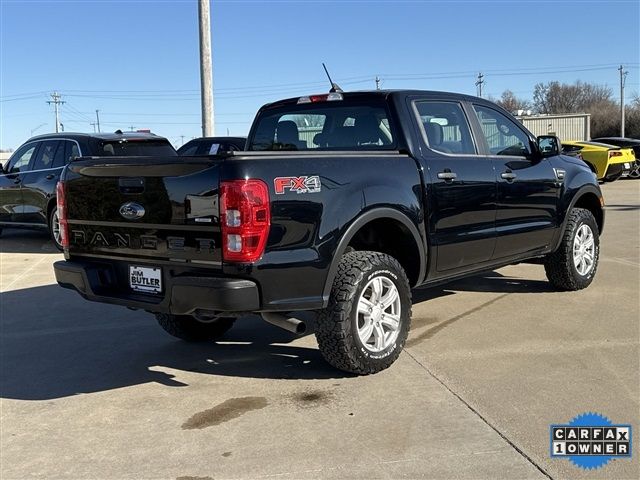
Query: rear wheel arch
[(388, 222), (591, 166), (51, 204)]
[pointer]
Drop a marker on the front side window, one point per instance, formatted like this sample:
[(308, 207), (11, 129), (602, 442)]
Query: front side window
[(323, 126), (503, 134), (46, 154), (445, 127), (20, 160)]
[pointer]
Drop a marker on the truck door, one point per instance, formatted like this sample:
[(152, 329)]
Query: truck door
[(528, 189), (461, 187)]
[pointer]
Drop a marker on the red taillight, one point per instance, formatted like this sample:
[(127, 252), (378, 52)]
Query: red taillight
[(62, 214), (615, 154), (245, 218)]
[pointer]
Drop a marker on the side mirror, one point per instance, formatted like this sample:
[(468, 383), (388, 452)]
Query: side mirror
[(549, 145)]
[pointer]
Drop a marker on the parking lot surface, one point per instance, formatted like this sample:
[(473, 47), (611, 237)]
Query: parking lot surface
[(96, 391)]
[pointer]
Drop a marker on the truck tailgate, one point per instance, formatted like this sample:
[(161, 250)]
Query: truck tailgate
[(148, 209)]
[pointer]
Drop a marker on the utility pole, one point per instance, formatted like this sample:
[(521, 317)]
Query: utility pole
[(93, 124), (206, 75), (181, 140), (377, 83), (56, 101), (623, 77), (98, 120), (131, 128), (479, 83)]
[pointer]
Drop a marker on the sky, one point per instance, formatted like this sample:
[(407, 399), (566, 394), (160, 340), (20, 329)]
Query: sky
[(137, 62)]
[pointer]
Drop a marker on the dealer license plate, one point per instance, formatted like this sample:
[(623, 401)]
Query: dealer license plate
[(145, 279)]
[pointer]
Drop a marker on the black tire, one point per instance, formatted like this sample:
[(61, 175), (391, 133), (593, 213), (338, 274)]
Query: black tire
[(188, 328), (337, 325), (560, 266), (55, 241)]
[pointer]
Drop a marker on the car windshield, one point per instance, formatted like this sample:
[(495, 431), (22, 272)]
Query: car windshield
[(334, 125), (135, 148)]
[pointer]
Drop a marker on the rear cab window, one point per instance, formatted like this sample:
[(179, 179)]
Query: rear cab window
[(325, 125), (135, 148)]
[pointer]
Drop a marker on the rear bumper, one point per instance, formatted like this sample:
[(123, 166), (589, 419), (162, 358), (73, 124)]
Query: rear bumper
[(616, 170), (182, 295)]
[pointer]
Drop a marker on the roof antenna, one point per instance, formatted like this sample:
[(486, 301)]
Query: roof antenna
[(334, 86)]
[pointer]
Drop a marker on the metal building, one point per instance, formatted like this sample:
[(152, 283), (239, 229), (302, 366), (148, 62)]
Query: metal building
[(568, 127)]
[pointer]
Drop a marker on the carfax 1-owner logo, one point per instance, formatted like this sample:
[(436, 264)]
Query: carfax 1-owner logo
[(590, 441)]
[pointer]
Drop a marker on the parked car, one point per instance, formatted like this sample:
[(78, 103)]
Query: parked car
[(211, 146), (396, 189), (632, 143), (608, 162), (572, 151), (28, 180)]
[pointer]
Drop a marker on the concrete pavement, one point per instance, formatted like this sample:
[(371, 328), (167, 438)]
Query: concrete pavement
[(90, 390)]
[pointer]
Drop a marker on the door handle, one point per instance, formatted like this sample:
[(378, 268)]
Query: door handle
[(447, 175), (509, 176), (50, 176), (17, 180)]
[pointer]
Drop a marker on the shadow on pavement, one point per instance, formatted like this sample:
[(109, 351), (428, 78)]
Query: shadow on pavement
[(55, 344), (14, 240), (493, 282)]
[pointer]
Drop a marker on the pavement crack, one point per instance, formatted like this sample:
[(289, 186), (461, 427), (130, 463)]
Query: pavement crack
[(481, 417), (432, 331)]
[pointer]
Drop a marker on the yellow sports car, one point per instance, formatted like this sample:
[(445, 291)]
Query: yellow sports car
[(607, 161)]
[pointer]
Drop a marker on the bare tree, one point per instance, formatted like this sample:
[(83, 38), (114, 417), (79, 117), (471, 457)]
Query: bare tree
[(511, 103), (556, 97)]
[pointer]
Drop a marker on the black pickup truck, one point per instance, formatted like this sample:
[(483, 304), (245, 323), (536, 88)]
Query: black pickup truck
[(341, 204)]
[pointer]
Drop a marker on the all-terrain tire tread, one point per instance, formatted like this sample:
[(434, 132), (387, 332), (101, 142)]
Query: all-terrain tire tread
[(559, 264), (333, 329)]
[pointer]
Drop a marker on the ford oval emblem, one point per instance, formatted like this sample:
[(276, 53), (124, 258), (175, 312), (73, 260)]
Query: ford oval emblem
[(132, 211)]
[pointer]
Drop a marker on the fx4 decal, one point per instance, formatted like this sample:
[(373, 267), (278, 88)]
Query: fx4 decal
[(297, 184)]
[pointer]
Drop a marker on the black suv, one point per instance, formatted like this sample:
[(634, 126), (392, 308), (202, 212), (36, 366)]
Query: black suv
[(28, 181)]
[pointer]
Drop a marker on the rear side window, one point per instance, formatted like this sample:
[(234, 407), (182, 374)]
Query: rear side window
[(135, 148), (66, 151), (445, 127), (503, 134), (46, 154), (323, 126)]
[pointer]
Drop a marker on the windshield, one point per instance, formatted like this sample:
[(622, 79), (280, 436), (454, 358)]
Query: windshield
[(324, 126), (135, 148)]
